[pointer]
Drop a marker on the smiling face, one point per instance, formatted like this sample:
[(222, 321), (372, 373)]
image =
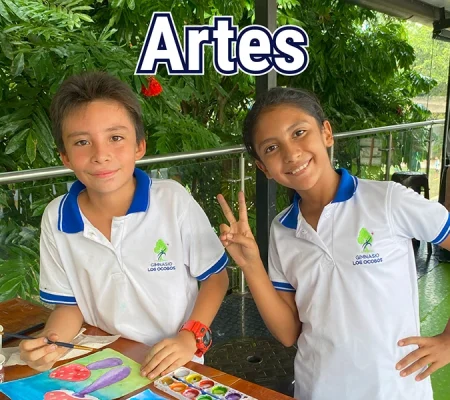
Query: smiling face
[(292, 147), (100, 146)]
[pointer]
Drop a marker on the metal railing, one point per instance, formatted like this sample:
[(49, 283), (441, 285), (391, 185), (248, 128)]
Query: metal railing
[(390, 129), (54, 172)]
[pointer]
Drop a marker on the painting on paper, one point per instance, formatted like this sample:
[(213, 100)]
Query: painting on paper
[(104, 375)]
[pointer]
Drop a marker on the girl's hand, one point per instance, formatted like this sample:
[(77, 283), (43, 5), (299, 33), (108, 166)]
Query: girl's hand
[(433, 353), (237, 236)]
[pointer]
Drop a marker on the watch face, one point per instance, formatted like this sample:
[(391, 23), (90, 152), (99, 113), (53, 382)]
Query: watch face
[(207, 339)]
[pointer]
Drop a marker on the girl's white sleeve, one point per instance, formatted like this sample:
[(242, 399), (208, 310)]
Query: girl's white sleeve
[(276, 273), (413, 216)]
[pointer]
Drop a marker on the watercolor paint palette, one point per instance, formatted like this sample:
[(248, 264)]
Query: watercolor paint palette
[(187, 384)]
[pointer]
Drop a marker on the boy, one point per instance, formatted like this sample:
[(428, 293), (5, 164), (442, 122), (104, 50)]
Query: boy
[(342, 280), (120, 251)]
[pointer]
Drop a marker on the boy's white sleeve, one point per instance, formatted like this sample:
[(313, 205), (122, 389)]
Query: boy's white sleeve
[(203, 252), (276, 274), (413, 216), (54, 285)]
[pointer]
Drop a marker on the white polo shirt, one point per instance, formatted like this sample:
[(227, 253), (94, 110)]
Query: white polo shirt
[(355, 287), (144, 282)]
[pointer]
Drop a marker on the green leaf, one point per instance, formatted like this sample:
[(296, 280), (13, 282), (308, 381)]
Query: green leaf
[(31, 147), (44, 124), (107, 33), (13, 29), (17, 64), (131, 4), (16, 10), (9, 284), (37, 211), (69, 3), (41, 128), (15, 116), (6, 47), (39, 69), (4, 13), (82, 8), (3, 199), (60, 51), (46, 152), (85, 17), (15, 142), (117, 3), (13, 127), (28, 251)]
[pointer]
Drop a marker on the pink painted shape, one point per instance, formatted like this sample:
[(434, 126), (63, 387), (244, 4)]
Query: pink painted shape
[(71, 373), (65, 395)]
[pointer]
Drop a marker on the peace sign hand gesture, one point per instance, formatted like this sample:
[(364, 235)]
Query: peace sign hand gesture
[(237, 237)]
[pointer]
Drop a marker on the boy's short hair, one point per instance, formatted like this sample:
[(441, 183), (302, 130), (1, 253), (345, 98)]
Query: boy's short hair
[(301, 98), (84, 88)]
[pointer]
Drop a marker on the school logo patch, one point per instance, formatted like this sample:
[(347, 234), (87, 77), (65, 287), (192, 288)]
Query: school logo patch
[(367, 255), (161, 264), (365, 239), (160, 249)]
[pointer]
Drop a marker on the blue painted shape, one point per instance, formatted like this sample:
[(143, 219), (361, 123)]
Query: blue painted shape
[(147, 395)]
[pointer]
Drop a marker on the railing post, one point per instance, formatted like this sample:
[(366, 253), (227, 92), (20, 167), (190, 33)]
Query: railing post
[(389, 158), (242, 285), (446, 138), (266, 190), (430, 132)]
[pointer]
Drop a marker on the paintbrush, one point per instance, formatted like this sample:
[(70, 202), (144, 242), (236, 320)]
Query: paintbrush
[(61, 344), (24, 331)]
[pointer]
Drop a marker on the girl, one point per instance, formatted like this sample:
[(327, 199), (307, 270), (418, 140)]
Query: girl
[(342, 280)]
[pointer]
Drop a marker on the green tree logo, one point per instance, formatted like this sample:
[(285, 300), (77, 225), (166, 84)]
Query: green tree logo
[(365, 239), (160, 249)]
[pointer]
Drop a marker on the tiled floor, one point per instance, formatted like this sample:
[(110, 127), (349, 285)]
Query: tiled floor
[(244, 347), (426, 262)]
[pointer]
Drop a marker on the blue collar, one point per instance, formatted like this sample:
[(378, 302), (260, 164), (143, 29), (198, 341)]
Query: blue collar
[(69, 216), (346, 189)]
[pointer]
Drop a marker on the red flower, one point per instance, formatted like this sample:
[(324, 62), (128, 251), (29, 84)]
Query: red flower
[(154, 87)]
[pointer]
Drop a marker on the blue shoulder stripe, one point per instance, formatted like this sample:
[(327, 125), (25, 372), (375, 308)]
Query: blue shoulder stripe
[(216, 268), (56, 299), (444, 232), (286, 287)]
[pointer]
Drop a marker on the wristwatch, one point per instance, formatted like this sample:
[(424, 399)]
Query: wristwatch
[(203, 335)]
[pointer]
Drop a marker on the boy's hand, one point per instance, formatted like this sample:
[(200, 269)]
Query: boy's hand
[(38, 354), (433, 351), (169, 354), (237, 237)]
